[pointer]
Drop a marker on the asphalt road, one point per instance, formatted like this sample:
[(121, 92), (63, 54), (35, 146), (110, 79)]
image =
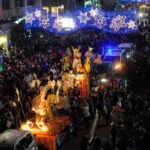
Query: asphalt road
[(102, 131)]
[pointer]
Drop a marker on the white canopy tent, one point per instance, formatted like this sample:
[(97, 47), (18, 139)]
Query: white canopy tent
[(125, 45)]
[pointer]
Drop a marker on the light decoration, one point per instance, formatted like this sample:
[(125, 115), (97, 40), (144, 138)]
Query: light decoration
[(117, 66), (100, 21), (74, 25), (37, 13), (3, 39), (67, 23), (131, 24), (29, 18), (58, 23), (112, 22), (42, 126), (83, 17), (29, 126), (93, 12), (118, 23), (25, 127), (44, 22)]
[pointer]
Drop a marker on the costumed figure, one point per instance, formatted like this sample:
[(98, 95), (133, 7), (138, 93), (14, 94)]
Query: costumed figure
[(72, 78), (98, 60), (77, 65), (66, 63)]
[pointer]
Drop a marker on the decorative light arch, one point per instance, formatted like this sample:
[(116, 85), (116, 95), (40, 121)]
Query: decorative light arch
[(112, 22)]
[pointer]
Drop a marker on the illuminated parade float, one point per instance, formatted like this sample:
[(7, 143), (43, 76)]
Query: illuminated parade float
[(48, 124)]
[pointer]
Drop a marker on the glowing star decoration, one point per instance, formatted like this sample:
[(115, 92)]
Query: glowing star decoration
[(44, 22), (100, 21), (93, 12), (29, 18), (131, 24), (37, 13), (58, 23), (83, 17), (118, 23), (107, 21)]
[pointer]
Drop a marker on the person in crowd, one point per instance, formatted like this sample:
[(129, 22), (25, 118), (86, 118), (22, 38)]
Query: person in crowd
[(85, 110)]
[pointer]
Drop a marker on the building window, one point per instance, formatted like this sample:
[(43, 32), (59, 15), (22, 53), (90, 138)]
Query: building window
[(18, 3), (5, 4), (31, 2)]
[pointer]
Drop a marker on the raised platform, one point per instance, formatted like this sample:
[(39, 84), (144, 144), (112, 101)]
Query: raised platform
[(47, 139)]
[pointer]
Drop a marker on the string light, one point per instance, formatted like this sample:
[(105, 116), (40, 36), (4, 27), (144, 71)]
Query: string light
[(58, 23), (44, 22), (37, 13), (29, 18), (131, 24), (118, 23), (100, 21), (93, 12), (112, 22), (83, 17)]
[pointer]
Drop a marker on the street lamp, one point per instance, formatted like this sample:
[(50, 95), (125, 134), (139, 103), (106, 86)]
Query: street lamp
[(117, 66)]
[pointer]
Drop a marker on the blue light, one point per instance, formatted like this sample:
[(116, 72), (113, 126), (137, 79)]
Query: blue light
[(109, 51), (112, 22)]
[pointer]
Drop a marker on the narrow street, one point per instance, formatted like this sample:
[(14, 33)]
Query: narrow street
[(101, 131)]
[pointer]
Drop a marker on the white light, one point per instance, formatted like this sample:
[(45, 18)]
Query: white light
[(117, 66), (67, 23), (62, 7), (16, 22), (128, 56), (103, 80), (140, 15), (3, 39)]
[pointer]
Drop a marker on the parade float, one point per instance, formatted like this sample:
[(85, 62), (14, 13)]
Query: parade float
[(49, 125), (76, 74)]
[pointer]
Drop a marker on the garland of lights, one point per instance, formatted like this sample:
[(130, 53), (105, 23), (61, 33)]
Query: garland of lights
[(112, 22)]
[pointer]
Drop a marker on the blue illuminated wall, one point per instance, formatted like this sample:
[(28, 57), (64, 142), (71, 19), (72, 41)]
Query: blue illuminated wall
[(112, 22)]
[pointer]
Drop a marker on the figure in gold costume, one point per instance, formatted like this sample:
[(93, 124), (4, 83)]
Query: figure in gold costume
[(66, 63), (77, 65), (87, 65)]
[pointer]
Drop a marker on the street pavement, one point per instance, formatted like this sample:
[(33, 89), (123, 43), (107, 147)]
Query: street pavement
[(102, 131)]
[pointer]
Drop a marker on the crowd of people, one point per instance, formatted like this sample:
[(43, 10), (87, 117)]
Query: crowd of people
[(129, 127), (127, 116)]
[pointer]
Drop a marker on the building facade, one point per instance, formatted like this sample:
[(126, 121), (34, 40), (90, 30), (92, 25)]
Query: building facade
[(13, 8), (10, 11)]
